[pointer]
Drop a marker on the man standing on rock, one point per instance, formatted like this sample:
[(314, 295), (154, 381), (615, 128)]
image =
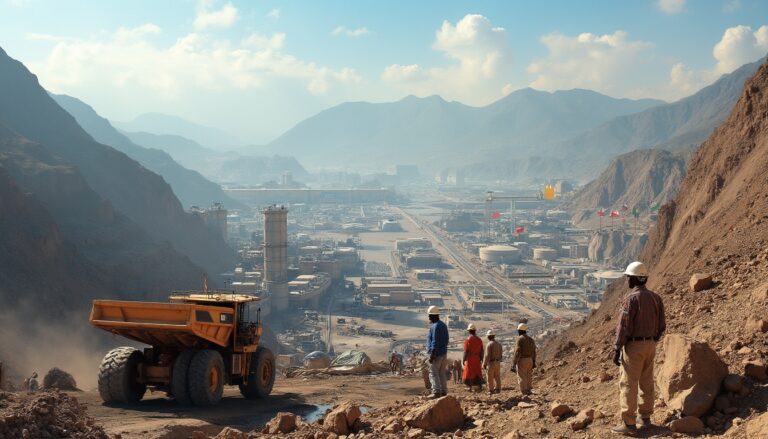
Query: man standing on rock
[(492, 363), (525, 359), (473, 358), (641, 324), (437, 349)]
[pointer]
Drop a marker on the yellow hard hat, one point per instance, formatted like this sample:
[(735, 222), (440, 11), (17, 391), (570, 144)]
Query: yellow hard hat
[(490, 332), (433, 310), (522, 327), (471, 327)]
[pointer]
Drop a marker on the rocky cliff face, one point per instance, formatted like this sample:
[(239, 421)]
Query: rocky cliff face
[(135, 192), (639, 179), (616, 248)]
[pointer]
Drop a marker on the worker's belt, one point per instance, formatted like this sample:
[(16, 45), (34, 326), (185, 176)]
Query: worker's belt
[(640, 338)]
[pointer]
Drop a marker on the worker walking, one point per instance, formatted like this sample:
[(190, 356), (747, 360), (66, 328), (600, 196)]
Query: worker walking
[(492, 362), (473, 357), (641, 324), (457, 371), (437, 349), (33, 385), (525, 359)]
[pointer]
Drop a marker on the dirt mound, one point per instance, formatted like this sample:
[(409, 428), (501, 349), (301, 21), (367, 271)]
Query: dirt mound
[(46, 415), (59, 379), (639, 179)]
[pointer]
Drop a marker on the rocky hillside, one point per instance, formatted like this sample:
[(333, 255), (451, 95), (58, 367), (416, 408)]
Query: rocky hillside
[(716, 225), (640, 179), (191, 187), (140, 195)]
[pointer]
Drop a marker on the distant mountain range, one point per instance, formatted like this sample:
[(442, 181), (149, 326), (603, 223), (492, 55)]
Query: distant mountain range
[(159, 123), (439, 133), (99, 223), (191, 187), (224, 167)]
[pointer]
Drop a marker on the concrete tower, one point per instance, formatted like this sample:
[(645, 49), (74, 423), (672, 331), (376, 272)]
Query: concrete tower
[(276, 255)]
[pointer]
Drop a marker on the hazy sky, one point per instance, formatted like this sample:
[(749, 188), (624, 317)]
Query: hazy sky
[(257, 67)]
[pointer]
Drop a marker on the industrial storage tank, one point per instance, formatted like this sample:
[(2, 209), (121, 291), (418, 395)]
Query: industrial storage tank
[(500, 254), (545, 254)]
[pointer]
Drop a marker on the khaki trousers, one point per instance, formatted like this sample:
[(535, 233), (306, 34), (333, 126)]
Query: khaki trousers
[(637, 371), (525, 375), (494, 376)]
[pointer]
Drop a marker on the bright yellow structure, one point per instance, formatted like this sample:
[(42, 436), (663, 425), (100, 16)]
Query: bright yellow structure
[(549, 192), (199, 342)]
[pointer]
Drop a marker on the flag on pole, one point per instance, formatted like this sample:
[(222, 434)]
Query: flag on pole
[(496, 215), (615, 214), (519, 230), (601, 212)]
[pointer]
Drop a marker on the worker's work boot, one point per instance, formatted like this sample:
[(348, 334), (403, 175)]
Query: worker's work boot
[(645, 423), (626, 430)]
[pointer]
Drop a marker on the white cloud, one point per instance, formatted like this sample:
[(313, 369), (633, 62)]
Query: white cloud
[(479, 61), (738, 46), (274, 14), (607, 63), (353, 33), (671, 7), (222, 18), (131, 59), (34, 36)]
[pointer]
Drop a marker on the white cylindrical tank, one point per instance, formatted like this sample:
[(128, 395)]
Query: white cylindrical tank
[(545, 254), (500, 254)]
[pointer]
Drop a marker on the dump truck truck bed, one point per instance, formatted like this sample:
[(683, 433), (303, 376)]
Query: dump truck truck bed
[(181, 325)]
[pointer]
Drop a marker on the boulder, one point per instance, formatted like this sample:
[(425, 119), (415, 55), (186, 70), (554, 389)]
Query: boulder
[(722, 403), (687, 425), (231, 433), (582, 419), (341, 418), (700, 282), (760, 293), (283, 422), (514, 434), (557, 409), (605, 376), (59, 379), (756, 325), (757, 370), (690, 376), (758, 427), (415, 433), (733, 383), (437, 416)]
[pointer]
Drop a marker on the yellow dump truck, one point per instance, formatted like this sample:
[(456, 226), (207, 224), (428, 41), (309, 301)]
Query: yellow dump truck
[(199, 342)]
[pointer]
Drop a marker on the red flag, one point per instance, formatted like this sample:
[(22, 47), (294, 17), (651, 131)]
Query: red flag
[(495, 215), (519, 230), (601, 212), (615, 214)]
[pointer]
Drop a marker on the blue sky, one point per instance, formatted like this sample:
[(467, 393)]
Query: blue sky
[(255, 68)]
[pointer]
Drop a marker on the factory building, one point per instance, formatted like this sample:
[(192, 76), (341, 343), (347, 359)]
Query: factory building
[(261, 196), (408, 244), (215, 218), (500, 254), (306, 290), (390, 225), (390, 294), (578, 251), (423, 258), (545, 254)]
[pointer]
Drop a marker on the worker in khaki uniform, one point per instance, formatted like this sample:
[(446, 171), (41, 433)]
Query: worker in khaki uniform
[(525, 359), (492, 362), (641, 324)]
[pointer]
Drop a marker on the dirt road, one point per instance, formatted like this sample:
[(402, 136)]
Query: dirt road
[(157, 417)]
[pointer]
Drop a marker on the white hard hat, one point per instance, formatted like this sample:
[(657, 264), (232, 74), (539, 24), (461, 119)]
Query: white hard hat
[(471, 327), (433, 310), (522, 327), (636, 269), (490, 332)]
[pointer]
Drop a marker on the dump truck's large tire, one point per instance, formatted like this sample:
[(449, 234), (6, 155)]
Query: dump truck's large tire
[(205, 378), (118, 376), (261, 377), (180, 377)]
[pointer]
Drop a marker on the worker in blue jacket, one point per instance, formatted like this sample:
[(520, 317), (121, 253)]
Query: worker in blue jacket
[(437, 349)]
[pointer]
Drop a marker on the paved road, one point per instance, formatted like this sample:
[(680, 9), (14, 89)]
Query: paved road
[(489, 278)]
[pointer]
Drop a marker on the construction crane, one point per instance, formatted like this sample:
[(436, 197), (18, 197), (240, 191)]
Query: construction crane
[(547, 194)]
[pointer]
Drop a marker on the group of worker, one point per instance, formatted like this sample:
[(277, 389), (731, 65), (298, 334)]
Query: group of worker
[(476, 358), (641, 324)]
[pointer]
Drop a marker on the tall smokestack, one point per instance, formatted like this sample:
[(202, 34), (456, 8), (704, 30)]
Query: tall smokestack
[(276, 255)]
